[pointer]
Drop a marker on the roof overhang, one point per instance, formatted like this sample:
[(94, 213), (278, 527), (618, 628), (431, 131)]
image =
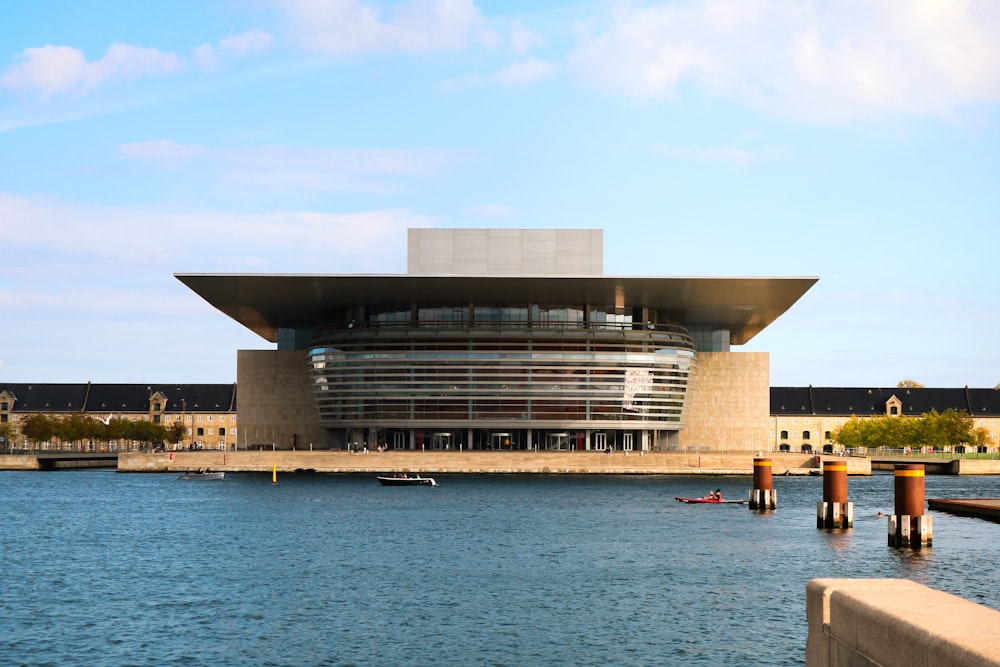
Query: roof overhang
[(266, 303)]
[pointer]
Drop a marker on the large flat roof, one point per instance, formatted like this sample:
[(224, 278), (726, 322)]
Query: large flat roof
[(265, 303)]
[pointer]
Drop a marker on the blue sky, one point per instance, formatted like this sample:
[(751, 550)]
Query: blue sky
[(853, 141)]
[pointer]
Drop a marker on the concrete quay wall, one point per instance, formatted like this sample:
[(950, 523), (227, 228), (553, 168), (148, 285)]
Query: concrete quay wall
[(18, 462), (896, 623), (978, 467), (479, 462)]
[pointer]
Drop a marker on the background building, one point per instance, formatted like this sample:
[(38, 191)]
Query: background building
[(207, 411), (804, 418), (503, 339), (801, 418)]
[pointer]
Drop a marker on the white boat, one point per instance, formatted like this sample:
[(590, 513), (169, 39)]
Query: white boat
[(202, 476), (406, 480)]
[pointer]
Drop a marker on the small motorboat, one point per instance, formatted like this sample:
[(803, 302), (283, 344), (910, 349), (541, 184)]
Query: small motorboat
[(712, 501), (403, 479), (202, 476)]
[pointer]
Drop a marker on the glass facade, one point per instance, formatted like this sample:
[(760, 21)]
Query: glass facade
[(549, 380)]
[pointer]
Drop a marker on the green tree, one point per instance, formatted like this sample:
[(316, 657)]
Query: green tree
[(38, 428), (176, 432), (933, 429), (7, 435)]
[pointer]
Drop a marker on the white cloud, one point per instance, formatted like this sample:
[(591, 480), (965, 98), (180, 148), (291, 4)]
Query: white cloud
[(418, 26), (210, 56), (161, 151), (813, 60), (524, 73), (56, 69), (516, 75), (293, 168), (523, 39), (92, 243), (245, 43)]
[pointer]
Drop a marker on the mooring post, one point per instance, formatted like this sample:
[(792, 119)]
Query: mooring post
[(762, 496), (834, 511), (909, 526)]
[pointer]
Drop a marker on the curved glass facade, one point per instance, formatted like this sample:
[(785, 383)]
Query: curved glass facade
[(542, 379)]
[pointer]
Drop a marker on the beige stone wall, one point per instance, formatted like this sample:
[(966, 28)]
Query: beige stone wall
[(480, 462), (275, 404), (729, 402), (896, 623)]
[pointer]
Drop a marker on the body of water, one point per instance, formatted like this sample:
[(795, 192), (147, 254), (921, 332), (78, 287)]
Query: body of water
[(101, 568)]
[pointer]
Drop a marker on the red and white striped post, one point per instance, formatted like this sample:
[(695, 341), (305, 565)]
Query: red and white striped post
[(909, 526), (762, 496), (834, 511)]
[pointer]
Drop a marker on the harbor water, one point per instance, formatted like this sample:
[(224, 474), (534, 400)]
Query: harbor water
[(101, 568)]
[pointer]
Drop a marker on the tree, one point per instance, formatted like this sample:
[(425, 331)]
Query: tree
[(909, 384), (6, 441), (176, 432), (933, 429), (38, 428)]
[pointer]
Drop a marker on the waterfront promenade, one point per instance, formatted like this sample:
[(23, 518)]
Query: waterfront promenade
[(481, 462)]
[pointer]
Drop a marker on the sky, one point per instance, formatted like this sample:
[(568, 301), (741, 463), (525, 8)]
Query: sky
[(854, 141)]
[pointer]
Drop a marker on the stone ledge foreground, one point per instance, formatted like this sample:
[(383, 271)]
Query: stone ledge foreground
[(479, 462), (896, 623)]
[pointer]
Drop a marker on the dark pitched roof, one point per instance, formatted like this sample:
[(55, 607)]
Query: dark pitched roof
[(41, 397), (865, 401), (107, 398)]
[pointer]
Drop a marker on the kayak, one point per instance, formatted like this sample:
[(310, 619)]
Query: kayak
[(713, 501)]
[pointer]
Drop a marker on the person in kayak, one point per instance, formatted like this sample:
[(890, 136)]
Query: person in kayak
[(715, 495)]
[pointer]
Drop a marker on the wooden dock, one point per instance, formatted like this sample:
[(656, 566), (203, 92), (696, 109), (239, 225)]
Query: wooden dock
[(979, 508)]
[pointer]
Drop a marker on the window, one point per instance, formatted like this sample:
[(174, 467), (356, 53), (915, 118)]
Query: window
[(222, 431), (784, 435), (805, 435)]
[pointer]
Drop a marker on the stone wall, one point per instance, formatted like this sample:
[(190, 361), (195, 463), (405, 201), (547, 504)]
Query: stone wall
[(896, 623), (728, 404), (478, 462), (275, 405)]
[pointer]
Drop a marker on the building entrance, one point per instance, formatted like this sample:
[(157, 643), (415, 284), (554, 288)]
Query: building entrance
[(441, 440), (600, 441), (500, 441), (558, 441)]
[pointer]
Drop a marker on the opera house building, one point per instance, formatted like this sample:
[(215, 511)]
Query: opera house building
[(509, 339)]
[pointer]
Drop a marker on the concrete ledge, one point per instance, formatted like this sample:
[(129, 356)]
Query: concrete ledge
[(896, 622), (18, 462), (478, 462), (978, 467)]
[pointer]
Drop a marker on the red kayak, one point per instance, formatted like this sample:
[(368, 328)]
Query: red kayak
[(714, 501)]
